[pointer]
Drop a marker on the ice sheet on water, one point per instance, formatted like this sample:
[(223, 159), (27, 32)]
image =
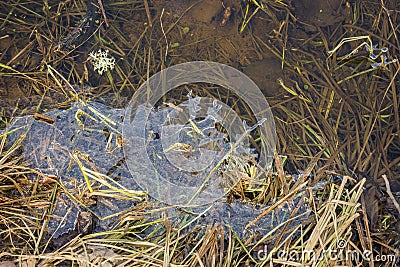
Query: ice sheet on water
[(88, 134), (79, 132)]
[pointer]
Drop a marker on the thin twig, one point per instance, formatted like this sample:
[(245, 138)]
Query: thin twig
[(389, 191), (271, 208), (146, 6), (103, 12)]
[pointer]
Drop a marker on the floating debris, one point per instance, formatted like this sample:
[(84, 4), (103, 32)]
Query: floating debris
[(101, 61), (384, 60)]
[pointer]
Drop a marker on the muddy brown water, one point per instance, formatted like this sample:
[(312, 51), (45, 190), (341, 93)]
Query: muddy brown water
[(194, 32)]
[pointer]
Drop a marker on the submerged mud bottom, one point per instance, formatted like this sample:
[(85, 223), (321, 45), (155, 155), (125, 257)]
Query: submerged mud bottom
[(82, 148)]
